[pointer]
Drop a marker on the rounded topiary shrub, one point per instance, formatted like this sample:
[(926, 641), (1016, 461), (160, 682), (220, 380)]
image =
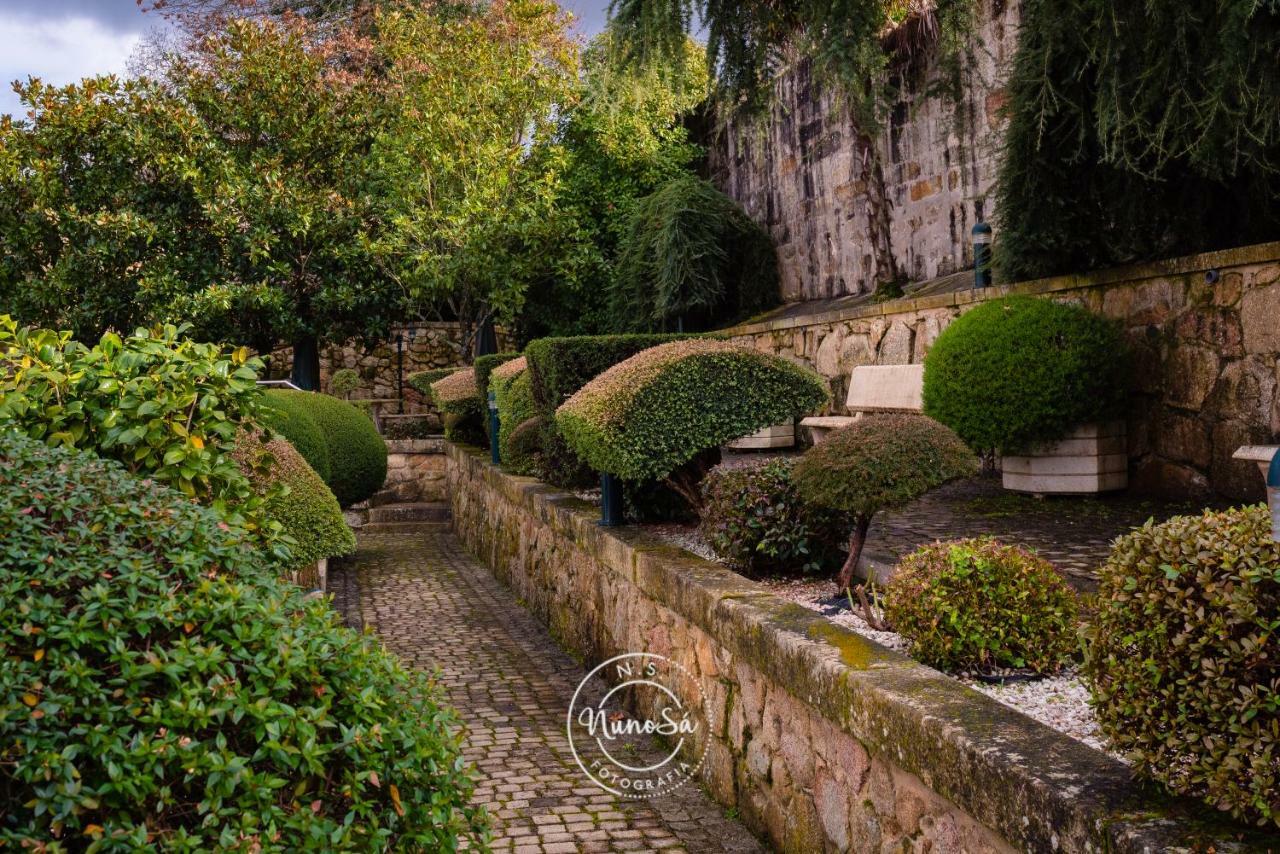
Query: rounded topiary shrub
[(513, 393), (305, 508), (522, 452), (344, 382), (1182, 662), (457, 396), (421, 380), (879, 463), (978, 605), (357, 454), (289, 415), (753, 517), (647, 416), (1017, 371), (162, 688)]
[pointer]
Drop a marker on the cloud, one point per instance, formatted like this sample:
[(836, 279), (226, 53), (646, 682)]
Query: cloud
[(59, 50), (120, 16)]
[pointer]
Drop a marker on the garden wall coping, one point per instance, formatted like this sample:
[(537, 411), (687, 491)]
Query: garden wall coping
[(1034, 787)]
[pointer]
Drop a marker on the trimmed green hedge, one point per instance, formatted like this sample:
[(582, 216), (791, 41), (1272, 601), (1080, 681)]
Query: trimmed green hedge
[(485, 366), (1016, 371), (1182, 662), (458, 398), (163, 688), (290, 416), (421, 380), (513, 393), (558, 367), (357, 454), (307, 510), (645, 417)]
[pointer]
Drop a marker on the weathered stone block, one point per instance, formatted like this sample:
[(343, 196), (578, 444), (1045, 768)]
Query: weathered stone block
[(1260, 317)]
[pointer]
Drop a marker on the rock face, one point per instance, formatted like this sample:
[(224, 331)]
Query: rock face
[(820, 740), (801, 171), (1206, 357)]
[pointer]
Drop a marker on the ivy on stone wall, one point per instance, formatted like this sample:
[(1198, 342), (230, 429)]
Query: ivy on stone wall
[(1140, 131)]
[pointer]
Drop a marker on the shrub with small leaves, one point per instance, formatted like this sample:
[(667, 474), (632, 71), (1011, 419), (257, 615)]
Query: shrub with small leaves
[(289, 415), (753, 517), (513, 394), (421, 380), (646, 417), (523, 450), (357, 454), (458, 398), (978, 605), (163, 688), (485, 366), (1182, 663), (305, 508), (344, 383), (878, 463)]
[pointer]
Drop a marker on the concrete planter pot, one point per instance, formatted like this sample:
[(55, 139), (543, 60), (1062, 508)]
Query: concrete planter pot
[(1093, 458)]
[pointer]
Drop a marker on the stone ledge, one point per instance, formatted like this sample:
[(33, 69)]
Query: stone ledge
[(433, 445), (1261, 253), (1034, 787)]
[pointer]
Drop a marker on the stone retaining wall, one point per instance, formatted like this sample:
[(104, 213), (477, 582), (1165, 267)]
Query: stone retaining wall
[(820, 739), (1205, 331), (415, 470)]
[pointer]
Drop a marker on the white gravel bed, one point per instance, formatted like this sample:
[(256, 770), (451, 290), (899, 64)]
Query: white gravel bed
[(1060, 702)]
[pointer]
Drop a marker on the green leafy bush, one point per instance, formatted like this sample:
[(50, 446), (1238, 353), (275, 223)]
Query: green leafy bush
[(458, 398), (523, 450), (558, 367), (290, 416), (648, 416), (485, 366), (162, 405), (162, 688), (1181, 663), (691, 255), (977, 605), (513, 394), (878, 463), (421, 380), (306, 509), (1016, 371), (753, 518), (357, 454), (344, 382)]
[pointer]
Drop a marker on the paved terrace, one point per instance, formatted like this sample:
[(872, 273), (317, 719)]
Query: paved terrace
[(436, 607)]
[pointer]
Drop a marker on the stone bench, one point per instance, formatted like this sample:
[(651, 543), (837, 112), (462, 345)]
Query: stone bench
[(874, 388)]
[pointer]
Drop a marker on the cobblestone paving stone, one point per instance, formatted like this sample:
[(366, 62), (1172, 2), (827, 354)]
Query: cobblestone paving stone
[(437, 607)]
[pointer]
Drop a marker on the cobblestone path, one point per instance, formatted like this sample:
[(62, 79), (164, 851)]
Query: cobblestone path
[(435, 606)]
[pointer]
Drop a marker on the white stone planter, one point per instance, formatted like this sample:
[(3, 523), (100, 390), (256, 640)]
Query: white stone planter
[(777, 436), (1094, 458)]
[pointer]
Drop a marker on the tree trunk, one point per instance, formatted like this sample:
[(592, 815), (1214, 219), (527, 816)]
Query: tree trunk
[(306, 363), (856, 541)]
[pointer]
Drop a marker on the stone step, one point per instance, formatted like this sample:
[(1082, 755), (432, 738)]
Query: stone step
[(382, 498), (425, 511)]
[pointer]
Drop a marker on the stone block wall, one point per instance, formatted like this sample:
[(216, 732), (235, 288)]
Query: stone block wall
[(415, 470), (821, 740), (434, 345), (800, 171), (1205, 333)]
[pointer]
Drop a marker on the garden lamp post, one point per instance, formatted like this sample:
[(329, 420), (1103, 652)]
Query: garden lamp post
[(610, 501), (495, 424), (1273, 495), (400, 372), (981, 256)]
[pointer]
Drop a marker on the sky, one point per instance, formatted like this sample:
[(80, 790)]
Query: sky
[(61, 41)]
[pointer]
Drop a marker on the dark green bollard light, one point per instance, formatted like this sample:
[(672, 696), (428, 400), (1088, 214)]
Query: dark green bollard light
[(610, 501), (495, 424), (981, 255), (1273, 495)]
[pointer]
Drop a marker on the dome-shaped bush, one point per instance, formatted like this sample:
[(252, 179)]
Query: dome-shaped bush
[(513, 393), (357, 454), (878, 463), (457, 396), (645, 417), (307, 510), (344, 382), (1016, 371), (753, 517), (1183, 665), (523, 450), (289, 415), (422, 380), (162, 688), (976, 605)]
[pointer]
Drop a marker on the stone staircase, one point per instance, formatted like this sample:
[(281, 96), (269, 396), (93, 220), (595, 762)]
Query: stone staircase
[(386, 512)]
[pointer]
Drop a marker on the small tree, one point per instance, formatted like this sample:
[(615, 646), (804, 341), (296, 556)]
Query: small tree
[(879, 463)]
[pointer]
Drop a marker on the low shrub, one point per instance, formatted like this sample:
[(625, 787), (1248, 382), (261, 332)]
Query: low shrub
[(160, 404), (523, 450), (753, 518), (1181, 663), (485, 366), (558, 367), (422, 427), (1017, 371), (878, 463), (458, 398), (977, 605), (305, 508), (290, 416), (162, 688), (513, 394), (344, 383), (421, 381), (357, 454), (648, 416)]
